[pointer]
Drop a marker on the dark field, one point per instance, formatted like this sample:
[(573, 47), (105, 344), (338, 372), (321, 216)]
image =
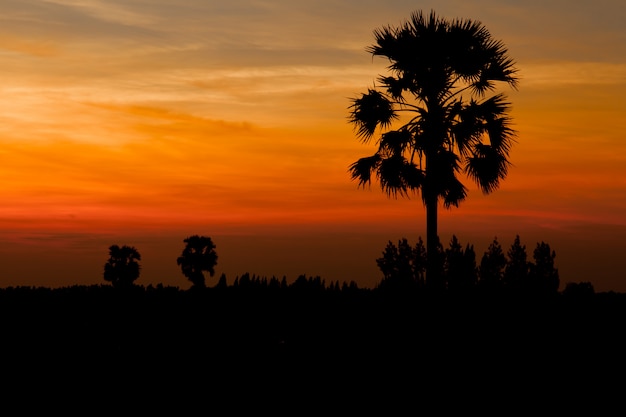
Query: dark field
[(315, 350)]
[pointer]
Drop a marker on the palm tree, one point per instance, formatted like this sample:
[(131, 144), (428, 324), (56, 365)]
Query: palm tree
[(198, 255), (122, 268), (436, 117)]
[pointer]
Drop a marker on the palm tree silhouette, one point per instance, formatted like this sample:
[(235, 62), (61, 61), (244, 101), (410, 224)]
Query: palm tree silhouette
[(198, 255), (122, 268), (439, 120)]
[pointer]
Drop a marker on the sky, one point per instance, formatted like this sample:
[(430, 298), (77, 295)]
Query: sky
[(142, 122)]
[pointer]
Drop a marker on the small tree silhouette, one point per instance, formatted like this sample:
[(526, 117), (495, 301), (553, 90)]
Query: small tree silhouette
[(544, 276), (403, 266), (492, 266), (517, 267), (460, 266), (122, 267), (198, 256), (579, 290)]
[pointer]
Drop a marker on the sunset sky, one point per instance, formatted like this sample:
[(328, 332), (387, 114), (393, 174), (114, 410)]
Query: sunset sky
[(141, 122)]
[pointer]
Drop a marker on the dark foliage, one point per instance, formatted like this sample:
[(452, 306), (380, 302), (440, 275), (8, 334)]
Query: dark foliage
[(198, 256), (403, 268), (491, 267), (122, 268)]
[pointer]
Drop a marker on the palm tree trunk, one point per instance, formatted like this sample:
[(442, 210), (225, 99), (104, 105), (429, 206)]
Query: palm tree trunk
[(431, 201), (432, 243)]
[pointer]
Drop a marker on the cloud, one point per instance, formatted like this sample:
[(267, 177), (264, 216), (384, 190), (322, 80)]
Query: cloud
[(572, 73), (179, 168), (110, 12)]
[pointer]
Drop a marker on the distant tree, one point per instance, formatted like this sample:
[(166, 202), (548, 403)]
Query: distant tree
[(517, 267), (122, 268), (579, 290), (300, 284), (437, 117), (221, 283), (543, 274), (244, 281), (420, 261), (349, 288), (460, 266), (197, 257), (469, 265), (308, 285), (403, 266), (492, 266), (274, 283)]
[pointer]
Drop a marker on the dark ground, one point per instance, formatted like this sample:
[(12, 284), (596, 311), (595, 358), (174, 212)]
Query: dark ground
[(286, 352)]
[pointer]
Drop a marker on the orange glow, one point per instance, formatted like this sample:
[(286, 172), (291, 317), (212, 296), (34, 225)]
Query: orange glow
[(225, 126)]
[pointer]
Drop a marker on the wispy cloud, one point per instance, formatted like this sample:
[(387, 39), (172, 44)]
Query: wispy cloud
[(110, 11), (573, 73)]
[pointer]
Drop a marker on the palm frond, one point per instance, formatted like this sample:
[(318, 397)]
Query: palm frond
[(396, 86), (396, 141), (487, 167), (454, 193), (466, 127), (362, 169), (501, 135), (397, 176), (370, 111), (501, 67)]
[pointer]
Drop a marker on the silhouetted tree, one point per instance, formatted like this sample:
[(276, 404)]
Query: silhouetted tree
[(274, 283), (403, 266), (492, 267), (469, 264), (310, 285), (349, 288), (543, 275), (221, 283), (517, 267), (244, 281), (122, 268), (439, 119), (460, 266), (579, 290), (198, 256)]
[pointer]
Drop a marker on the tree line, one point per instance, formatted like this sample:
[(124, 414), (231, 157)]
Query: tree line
[(403, 267), (198, 257)]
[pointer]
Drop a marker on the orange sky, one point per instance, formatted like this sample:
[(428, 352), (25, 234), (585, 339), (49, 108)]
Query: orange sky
[(140, 123)]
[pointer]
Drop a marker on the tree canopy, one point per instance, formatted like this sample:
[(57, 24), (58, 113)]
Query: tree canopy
[(122, 268), (199, 255)]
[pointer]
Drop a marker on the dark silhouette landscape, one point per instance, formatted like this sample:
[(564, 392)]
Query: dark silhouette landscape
[(268, 343)]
